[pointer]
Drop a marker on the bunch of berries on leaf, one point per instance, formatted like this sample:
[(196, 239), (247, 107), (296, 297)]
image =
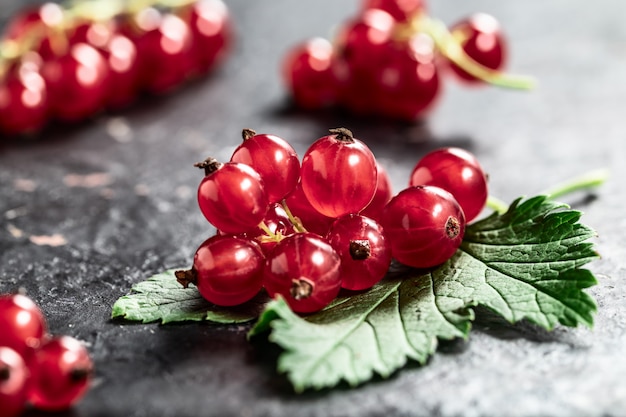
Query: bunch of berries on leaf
[(68, 63), (304, 230), (389, 59), (49, 373)]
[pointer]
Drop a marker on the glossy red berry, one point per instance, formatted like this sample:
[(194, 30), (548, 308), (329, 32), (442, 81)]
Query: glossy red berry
[(307, 71), (227, 270), (13, 383), (212, 33), (424, 225), (338, 174), (384, 193), (365, 253), (77, 82), (163, 42), (274, 159), (482, 39), (401, 10), (22, 324), (61, 373), (408, 81), (305, 270), (458, 172), (231, 196), (23, 100)]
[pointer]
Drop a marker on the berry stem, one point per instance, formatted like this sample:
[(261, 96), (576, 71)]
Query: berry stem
[(450, 48), (247, 134), (186, 277), (297, 224), (342, 134), (586, 181)]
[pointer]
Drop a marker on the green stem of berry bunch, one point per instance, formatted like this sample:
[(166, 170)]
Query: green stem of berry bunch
[(586, 181), (450, 47)]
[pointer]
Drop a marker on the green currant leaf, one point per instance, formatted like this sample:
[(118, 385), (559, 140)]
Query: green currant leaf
[(523, 264), (162, 298)]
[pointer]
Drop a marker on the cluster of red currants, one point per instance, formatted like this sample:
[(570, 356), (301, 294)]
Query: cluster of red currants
[(387, 60), (48, 372), (69, 63), (304, 230)]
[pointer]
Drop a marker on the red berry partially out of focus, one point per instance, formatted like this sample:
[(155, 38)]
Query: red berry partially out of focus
[(458, 172), (305, 270), (384, 193), (212, 33), (77, 82), (307, 71), (364, 251), (61, 373), (231, 196), (481, 37), (424, 225), (273, 158), (227, 270), (22, 324), (338, 174), (23, 100), (13, 382)]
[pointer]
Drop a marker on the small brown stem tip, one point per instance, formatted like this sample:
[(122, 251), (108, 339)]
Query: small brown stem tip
[(186, 277), (209, 165), (453, 227), (343, 134), (360, 249), (301, 288), (247, 133)]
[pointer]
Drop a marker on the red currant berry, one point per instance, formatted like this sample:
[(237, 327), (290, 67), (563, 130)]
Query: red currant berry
[(77, 82), (339, 174), (231, 196), (120, 55), (308, 73), (273, 158), (424, 225), (408, 82), (23, 100), (43, 22), (22, 324), (61, 373), (311, 219), (227, 270), (305, 270), (458, 172), (211, 31), (374, 209), (13, 382), (364, 251), (401, 10), (481, 37), (163, 42)]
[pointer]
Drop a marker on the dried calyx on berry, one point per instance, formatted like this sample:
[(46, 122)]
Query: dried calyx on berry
[(360, 249), (186, 277), (342, 134), (209, 165)]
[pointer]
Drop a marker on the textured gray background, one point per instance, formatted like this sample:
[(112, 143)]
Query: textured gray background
[(138, 216)]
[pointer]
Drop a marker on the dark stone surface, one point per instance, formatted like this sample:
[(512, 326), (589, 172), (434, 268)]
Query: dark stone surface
[(136, 215)]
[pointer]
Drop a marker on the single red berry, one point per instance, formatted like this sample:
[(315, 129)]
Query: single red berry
[(305, 270), (13, 383), (163, 43), (401, 10), (384, 193), (458, 172), (365, 253), (481, 37), (311, 219), (212, 33), (424, 225), (23, 100), (227, 270), (338, 174), (77, 82), (61, 373), (273, 158), (231, 196), (307, 71), (408, 81), (22, 324)]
